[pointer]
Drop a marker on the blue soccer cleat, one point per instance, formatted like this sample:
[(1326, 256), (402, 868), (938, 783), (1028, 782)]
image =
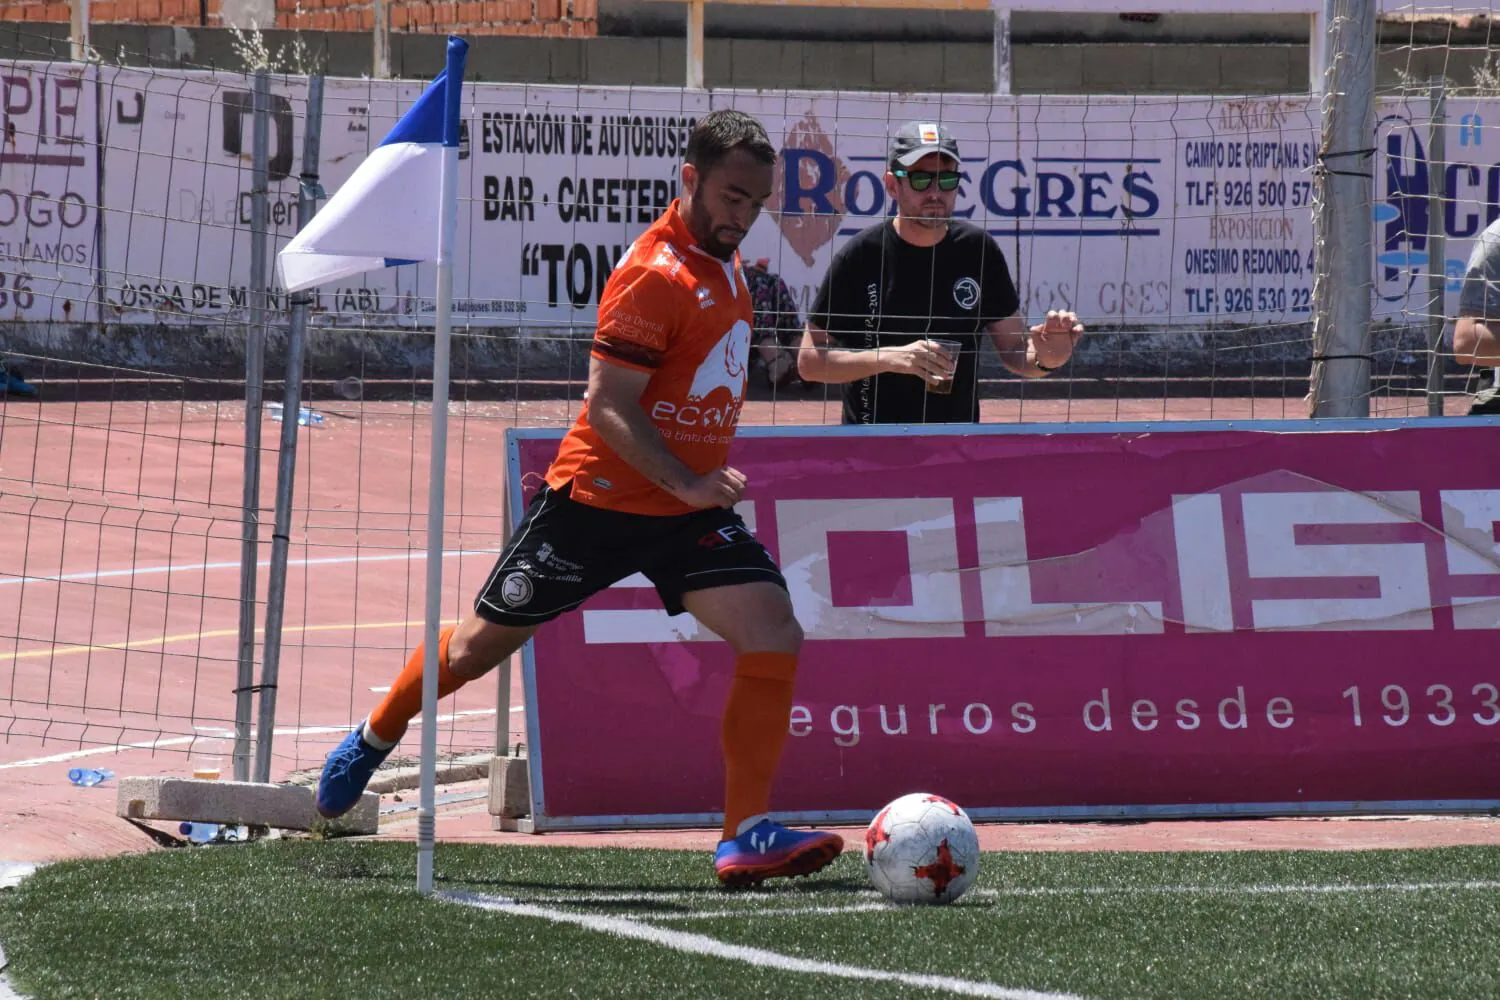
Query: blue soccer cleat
[(770, 850), (346, 773)]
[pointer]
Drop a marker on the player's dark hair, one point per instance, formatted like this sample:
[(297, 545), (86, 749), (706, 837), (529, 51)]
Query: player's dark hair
[(719, 132)]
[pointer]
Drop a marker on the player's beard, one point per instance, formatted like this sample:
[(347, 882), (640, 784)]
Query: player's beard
[(701, 224), (932, 215), (716, 247)]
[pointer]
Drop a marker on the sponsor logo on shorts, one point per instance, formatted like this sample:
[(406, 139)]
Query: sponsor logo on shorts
[(516, 589), (547, 556), (730, 534), (966, 293)]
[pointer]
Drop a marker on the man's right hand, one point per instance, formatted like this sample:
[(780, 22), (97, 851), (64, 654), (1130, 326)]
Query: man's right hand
[(723, 487), (921, 358)]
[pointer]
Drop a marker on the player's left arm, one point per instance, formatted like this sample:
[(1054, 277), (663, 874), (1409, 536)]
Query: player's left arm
[(1474, 335), (1048, 345), (1474, 343)]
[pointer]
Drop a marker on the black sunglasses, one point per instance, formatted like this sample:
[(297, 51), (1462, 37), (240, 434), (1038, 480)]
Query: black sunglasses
[(921, 180)]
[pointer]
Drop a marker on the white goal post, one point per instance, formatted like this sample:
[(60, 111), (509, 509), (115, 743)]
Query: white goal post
[(1315, 10)]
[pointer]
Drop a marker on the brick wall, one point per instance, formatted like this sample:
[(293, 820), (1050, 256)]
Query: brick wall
[(547, 18)]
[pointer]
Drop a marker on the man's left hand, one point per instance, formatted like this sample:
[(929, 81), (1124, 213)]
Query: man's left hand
[(1052, 340)]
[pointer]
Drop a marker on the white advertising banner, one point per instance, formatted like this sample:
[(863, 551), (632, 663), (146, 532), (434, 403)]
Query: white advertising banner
[(1154, 211), (49, 190)]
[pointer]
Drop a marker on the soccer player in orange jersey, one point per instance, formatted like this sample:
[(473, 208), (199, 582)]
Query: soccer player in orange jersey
[(641, 484)]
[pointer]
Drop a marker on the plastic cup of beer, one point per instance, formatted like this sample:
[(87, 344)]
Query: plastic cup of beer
[(208, 756), (951, 348)]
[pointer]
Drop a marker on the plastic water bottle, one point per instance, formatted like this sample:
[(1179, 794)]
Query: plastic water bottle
[(88, 777), (199, 833), (214, 833), (306, 416)]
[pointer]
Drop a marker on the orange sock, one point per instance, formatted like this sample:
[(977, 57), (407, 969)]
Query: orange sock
[(755, 725), (403, 702)]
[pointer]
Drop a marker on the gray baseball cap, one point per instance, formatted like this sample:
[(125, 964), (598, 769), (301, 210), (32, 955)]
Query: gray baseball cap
[(915, 140)]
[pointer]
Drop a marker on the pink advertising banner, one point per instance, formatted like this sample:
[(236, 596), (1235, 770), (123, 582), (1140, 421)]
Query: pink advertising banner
[(1066, 622)]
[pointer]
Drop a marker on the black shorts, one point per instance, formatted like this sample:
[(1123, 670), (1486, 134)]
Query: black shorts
[(563, 552)]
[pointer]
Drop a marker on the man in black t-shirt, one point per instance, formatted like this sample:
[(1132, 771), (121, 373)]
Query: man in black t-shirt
[(897, 290)]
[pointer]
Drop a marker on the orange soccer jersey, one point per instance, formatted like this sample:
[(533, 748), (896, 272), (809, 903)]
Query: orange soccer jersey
[(684, 316)]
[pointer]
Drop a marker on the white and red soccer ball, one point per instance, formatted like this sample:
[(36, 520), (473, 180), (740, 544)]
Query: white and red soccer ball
[(922, 848)]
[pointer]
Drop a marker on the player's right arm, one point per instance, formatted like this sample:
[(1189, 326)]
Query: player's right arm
[(638, 316), (616, 414)]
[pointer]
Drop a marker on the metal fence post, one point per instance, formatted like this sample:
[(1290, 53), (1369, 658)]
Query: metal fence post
[(255, 362), (286, 466), (1437, 271), (1343, 184)]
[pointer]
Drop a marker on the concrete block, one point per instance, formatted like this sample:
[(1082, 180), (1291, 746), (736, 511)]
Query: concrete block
[(510, 788), (838, 66), (417, 56), (671, 61), (761, 64), (1117, 69), (566, 58), (214, 49), (283, 807), (625, 62), (469, 767), (1406, 66), (1259, 69), (1046, 69), (344, 59), (907, 67), (1185, 69), (969, 68), (511, 60)]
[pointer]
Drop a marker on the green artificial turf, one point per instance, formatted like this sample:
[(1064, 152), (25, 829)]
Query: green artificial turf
[(311, 919)]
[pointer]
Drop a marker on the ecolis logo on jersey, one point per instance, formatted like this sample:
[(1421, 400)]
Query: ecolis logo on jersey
[(1471, 201), (717, 392)]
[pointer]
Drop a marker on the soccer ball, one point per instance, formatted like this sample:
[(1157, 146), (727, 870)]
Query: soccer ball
[(922, 849)]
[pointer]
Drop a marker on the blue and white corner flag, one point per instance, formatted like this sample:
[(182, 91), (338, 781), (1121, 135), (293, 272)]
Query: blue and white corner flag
[(388, 212)]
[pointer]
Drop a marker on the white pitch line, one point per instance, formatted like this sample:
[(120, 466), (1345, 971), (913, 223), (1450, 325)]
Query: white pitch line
[(11, 581), (700, 944), (1238, 890), (754, 904), (750, 901), (769, 911), (175, 741)]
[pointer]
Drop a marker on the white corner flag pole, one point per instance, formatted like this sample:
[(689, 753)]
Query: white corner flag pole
[(447, 237)]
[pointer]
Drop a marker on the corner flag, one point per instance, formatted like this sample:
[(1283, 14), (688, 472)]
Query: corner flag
[(387, 213), (401, 207)]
